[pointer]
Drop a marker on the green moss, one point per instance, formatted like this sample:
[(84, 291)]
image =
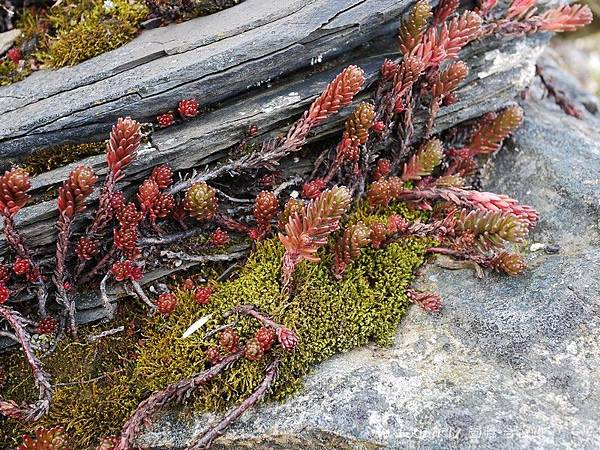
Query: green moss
[(87, 28), (115, 373), (59, 156), (92, 393), (329, 318), (10, 73)]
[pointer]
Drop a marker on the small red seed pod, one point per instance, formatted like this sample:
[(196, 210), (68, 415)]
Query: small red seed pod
[(252, 130), (253, 350), (202, 295), (219, 238), (4, 293), (21, 266), (188, 108), (47, 325), (213, 355), (165, 120), (166, 303), (229, 339), (266, 337)]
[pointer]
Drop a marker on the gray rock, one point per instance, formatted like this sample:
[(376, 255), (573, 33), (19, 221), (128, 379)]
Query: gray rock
[(7, 39), (508, 363)]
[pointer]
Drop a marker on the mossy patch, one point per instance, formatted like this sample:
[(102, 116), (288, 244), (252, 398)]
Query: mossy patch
[(53, 157), (87, 28), (112, 375)]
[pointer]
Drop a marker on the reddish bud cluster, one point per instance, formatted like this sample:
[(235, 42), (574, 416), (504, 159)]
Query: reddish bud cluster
[(213, 355), (166, 303), (122, 146), (188, 108), (253, 350), (21, 266), (74, 191), (202, 295), (163, 176), (4, 293), (14, 54), (229, 340), (86, 248), (123, 270), (382, 169), (128, 215), (125, 239), (47, 325), (219, 238), (14, 185), (165, 120), (313, 188), (46, 439), (265, 208), (265, 337), (287, 338)]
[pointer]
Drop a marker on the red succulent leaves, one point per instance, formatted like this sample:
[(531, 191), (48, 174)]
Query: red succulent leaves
[(166, 303), (202, 295), (4, 293), (122, 145), (188, 108), (14, 185), (165, 120), (123, 270), (229, 340), (74, 191), (306, 233)]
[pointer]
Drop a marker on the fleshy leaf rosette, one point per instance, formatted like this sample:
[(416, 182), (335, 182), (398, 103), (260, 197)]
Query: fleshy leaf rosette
[(14, 185)]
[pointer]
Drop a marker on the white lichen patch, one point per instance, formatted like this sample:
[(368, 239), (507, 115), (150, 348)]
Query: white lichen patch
[(503, 61), (280, 102)]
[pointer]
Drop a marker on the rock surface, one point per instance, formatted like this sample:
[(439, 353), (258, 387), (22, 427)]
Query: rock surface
[(508, 363)]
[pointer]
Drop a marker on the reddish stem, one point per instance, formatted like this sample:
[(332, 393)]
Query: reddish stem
[(175, 392), (216, 430), (38, 409)]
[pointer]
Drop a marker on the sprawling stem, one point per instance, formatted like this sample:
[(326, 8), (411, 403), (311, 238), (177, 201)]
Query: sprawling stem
[(176, 392), (38, 409), (206, 439)]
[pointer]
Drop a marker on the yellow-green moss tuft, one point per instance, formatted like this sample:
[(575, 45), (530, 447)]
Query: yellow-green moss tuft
[(88, 28), (92, 391), (329, 317), (53, 157)]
